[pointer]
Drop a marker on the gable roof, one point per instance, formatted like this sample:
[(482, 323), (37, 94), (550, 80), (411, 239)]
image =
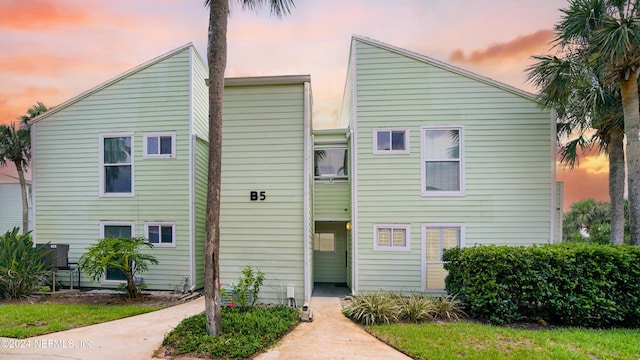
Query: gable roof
[(112, 81), (445, 66)]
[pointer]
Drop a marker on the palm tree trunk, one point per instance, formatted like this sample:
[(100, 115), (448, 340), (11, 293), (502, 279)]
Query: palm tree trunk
[(217, 59), (615, 147), (629, 92), (25, 203)]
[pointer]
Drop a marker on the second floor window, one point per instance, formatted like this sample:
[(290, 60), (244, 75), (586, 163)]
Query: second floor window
[(443, 161), (159, 145), (331, 163), (116, 165)]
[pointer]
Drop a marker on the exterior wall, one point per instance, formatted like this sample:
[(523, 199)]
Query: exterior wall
[(199, 136), (11, 209), (263, 142), (69, 208), (332, 201), (507, 162)]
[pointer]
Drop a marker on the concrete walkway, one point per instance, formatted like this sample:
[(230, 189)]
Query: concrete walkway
[(134, 338), (329, 336)]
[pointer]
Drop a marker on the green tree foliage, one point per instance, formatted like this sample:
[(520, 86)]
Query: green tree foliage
[(15, 147), (22, 266), (124, 254), (590, 221)]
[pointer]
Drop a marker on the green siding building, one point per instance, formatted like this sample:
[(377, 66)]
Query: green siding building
[(428, 156)]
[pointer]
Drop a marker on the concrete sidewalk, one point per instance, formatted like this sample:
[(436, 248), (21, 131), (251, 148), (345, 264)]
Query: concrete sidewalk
[(134, 338), (329, 336)]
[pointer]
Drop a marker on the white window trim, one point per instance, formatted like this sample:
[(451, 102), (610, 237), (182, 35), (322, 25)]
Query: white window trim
[(161, 223), (406, 150), (423, 240), (101, 169), (423, 178), (334, 242), (337, 178), (145, 136), (132, 224), (405, 227)]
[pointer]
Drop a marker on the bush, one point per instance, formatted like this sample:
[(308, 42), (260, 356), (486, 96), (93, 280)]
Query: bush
[(22, 266), (120, 253), (378, 307), (244, 333), (384, 307), (245, 292), (579, 284)]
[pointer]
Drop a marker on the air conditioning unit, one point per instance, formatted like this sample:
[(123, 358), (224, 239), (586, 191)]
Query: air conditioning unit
[(57, 255)]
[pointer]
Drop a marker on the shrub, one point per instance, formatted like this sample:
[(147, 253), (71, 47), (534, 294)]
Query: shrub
[(245, 292), (416, 308), (579, 284), (245, 333), (447, 308), (373, 308), (22, 266), (123, 254)]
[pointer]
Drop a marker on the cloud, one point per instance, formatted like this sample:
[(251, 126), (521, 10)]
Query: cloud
[(12, 105), (522, 46), (40, 14)]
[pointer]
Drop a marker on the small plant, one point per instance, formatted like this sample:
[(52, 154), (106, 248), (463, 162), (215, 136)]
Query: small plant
[(373, 308), (123, 254), (447, 308), (245, 292), (417, 308), (22, 266)]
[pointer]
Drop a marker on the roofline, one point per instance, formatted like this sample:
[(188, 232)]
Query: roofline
[(107, 83), (446, 66), (266, 80)]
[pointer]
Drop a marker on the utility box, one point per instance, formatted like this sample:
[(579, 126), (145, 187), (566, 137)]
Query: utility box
[(306, 314), (57, 256)]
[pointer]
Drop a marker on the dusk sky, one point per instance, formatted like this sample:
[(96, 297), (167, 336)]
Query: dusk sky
[(53, 50)]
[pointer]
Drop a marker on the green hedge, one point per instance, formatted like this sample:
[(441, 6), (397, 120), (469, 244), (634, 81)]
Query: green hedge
[(571, 284)]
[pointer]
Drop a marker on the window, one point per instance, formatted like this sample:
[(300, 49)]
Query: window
[(324, 242), (331, 163), (113, 230), (160, 234), (442, 161), (391, 237), (438, 237), (116, 165), (159, 145), (390, 141)]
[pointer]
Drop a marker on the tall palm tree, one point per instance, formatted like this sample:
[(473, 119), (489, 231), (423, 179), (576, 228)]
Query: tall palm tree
[(217, 59), (607, 32), (15, 146), (584, 102)]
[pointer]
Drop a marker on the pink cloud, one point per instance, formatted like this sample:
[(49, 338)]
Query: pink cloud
[(39, 14), (520, 47)]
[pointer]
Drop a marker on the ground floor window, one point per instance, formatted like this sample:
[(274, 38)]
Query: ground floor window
[(436, 238), (114, 230), (325, 242), (391, 237), (161, 234)]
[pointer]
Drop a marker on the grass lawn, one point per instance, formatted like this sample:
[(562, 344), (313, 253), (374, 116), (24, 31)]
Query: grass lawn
[(26, 320), (466, 340)]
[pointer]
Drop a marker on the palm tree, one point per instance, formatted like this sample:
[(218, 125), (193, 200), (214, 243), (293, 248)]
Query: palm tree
[(217, 59), (15, 146), (584, 102), (607, 33)]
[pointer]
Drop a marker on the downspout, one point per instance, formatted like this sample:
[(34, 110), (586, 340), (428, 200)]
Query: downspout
[(554, 204), (307, 191), (192, 190), (354, 171)]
